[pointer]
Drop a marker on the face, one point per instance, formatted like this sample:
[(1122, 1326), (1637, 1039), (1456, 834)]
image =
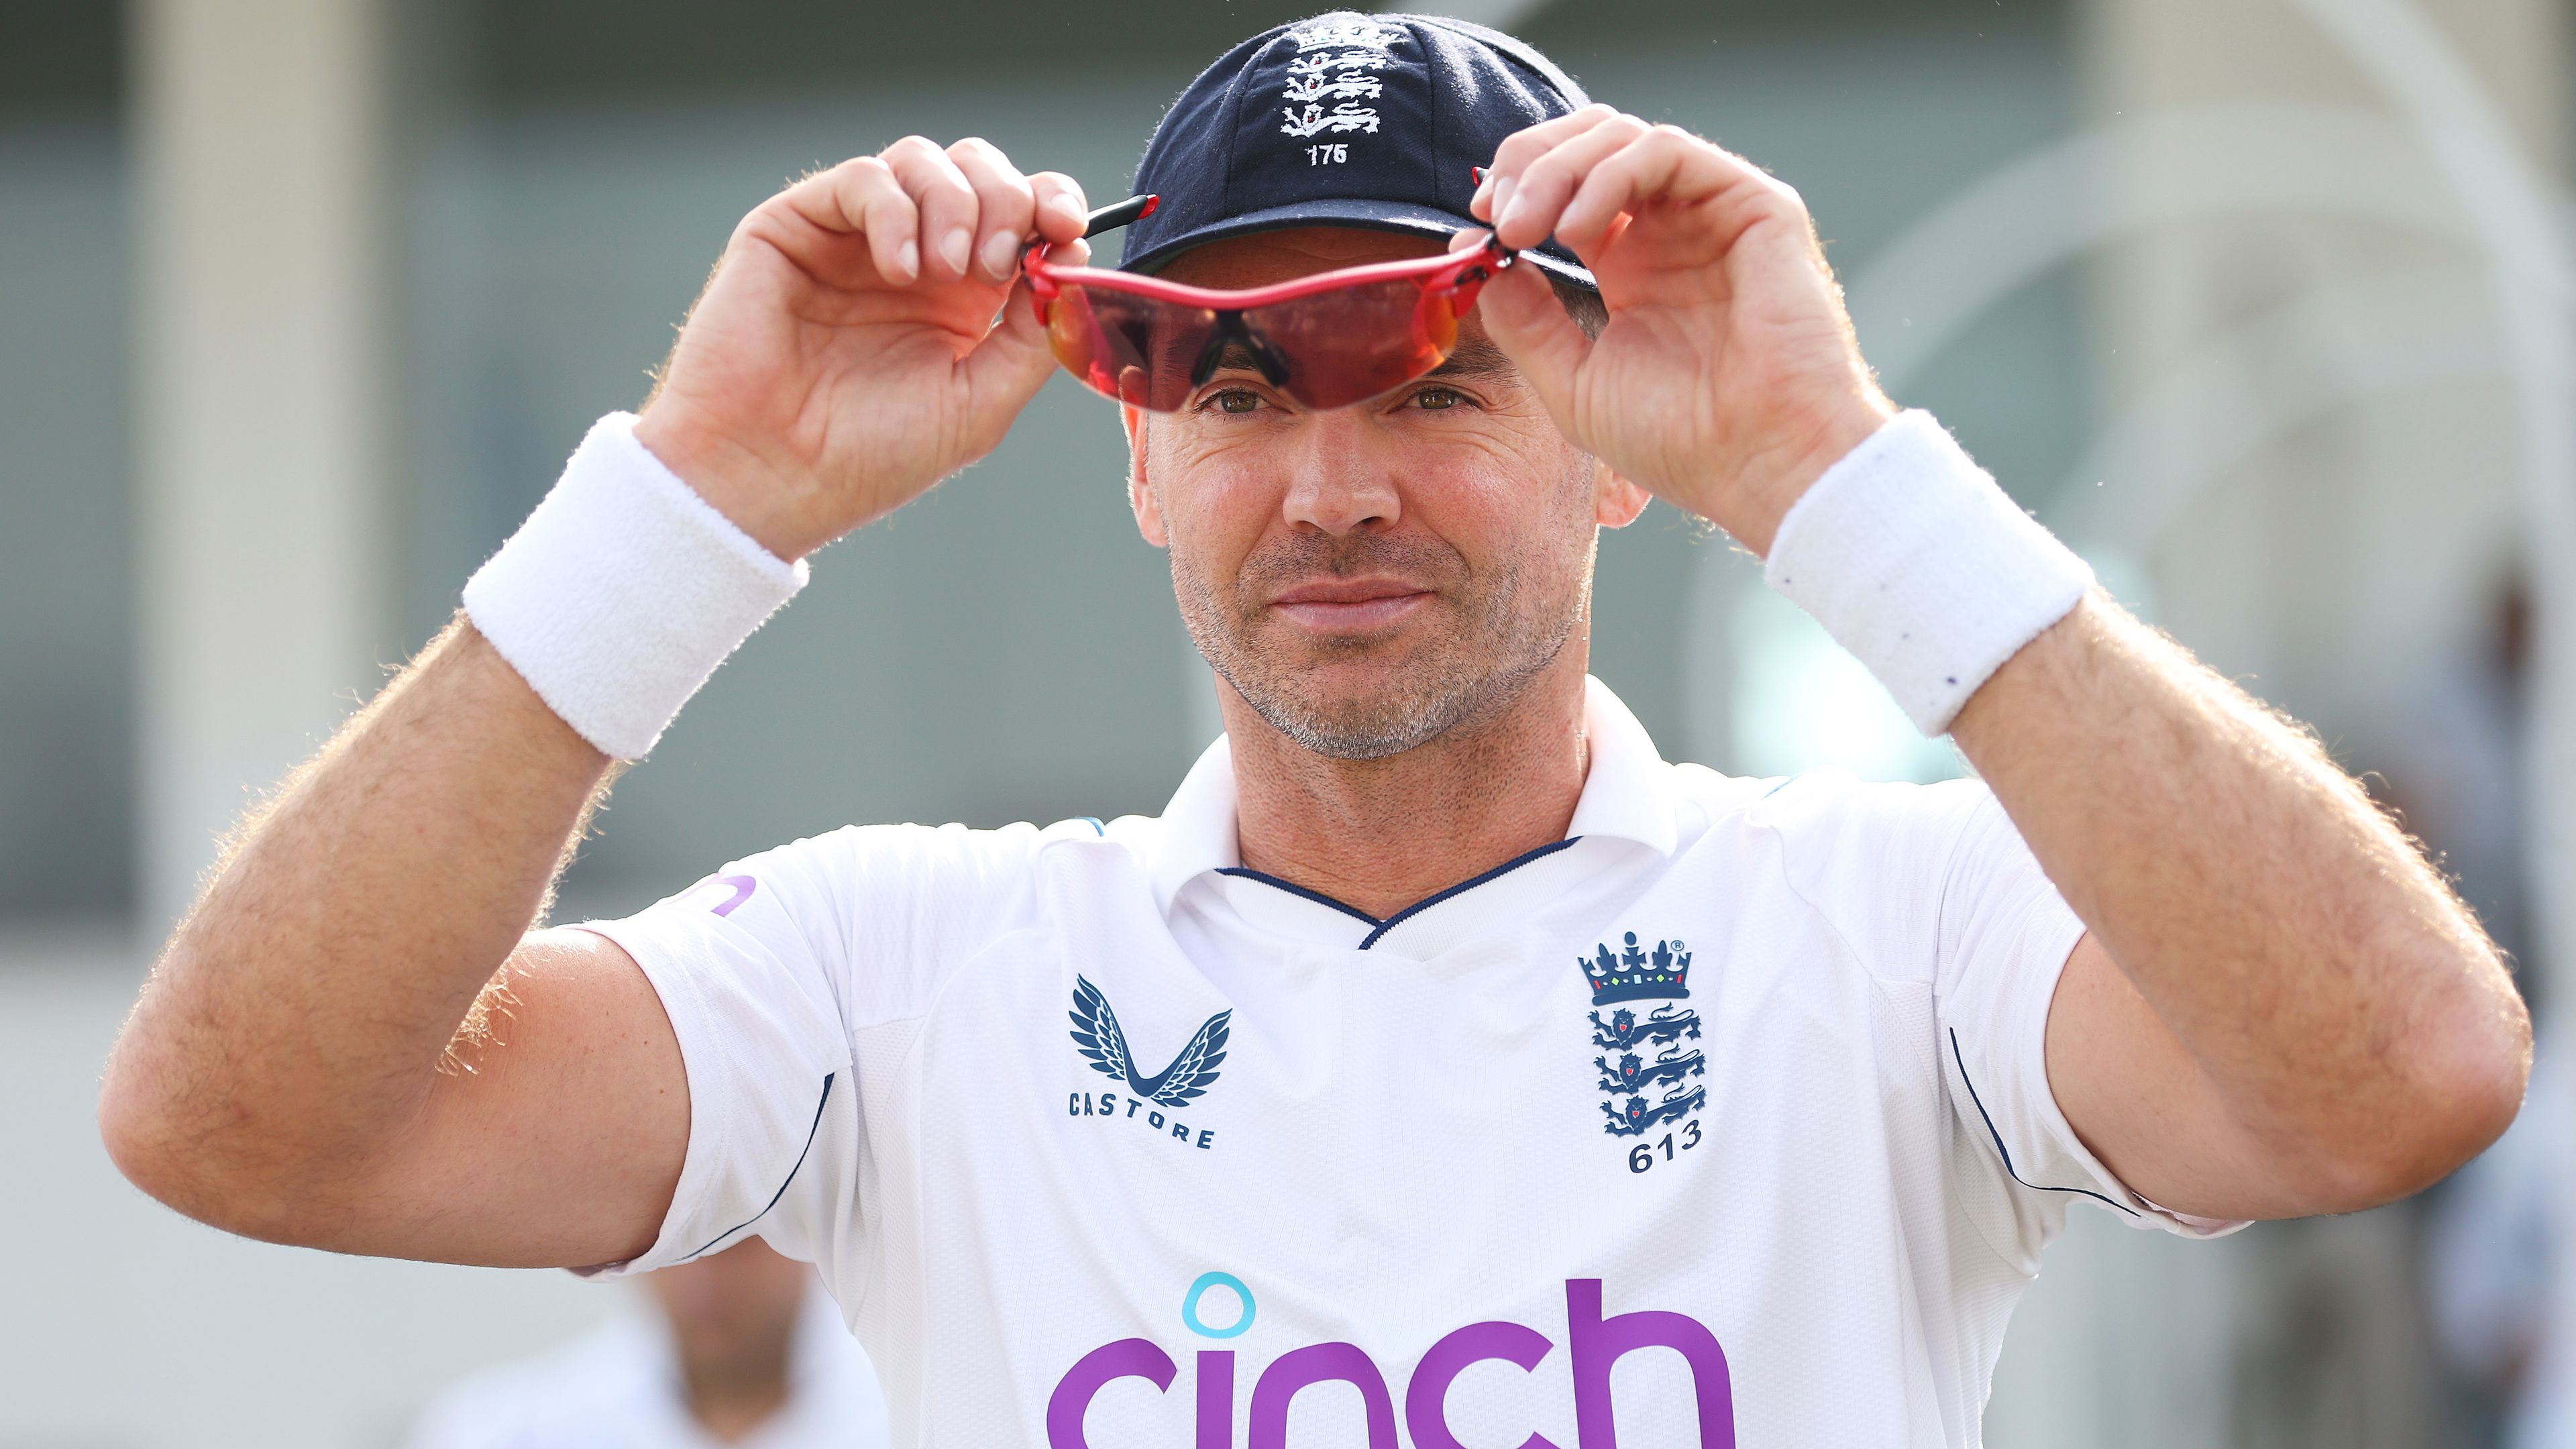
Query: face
[(1373, 577), (732, 1308)]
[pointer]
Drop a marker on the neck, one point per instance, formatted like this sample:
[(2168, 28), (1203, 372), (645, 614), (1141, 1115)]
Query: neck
[(1380, 835), (735, 1394)]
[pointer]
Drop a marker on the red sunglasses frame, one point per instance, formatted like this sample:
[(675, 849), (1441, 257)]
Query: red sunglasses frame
[(1464, 273), (1460, 275)]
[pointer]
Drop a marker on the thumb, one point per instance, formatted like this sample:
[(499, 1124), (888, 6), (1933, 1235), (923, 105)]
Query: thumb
[(1004, 370), (1525, 319)]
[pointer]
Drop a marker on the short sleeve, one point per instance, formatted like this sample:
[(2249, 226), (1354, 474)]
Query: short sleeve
[(2004, 938), (748, 963)]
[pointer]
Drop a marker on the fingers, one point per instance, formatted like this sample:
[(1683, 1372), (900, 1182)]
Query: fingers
[(962, 213), (1525, 319), (1062, 208), (946, 202), (1549, 182), (860, 196), (1006, 207), (1521, 148), (1577, 176)]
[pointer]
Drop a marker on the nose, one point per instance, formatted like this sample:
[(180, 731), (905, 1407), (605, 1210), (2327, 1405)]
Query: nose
[(1338, 484)]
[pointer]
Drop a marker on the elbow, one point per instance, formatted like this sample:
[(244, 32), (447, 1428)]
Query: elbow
[(2455, 1075), (144, 1127), (137, 1124), (2477, 1069), (189, 1146), (192, 1174)]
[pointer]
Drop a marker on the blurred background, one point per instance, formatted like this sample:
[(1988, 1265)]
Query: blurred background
[(2268, 305)]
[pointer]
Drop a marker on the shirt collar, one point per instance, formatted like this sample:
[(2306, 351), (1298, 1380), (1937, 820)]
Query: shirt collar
[(1627, 795), (1198, 832), (1628, 791)]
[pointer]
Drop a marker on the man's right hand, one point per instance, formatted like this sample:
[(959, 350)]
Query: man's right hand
[(847, 353), (281, 1076)]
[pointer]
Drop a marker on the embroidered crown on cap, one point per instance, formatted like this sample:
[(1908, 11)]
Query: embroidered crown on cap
[(1345, 32), (1636, 975)]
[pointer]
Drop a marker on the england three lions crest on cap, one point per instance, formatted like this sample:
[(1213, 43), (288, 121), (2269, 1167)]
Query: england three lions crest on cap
[(1343, 78), (1658, 1089)]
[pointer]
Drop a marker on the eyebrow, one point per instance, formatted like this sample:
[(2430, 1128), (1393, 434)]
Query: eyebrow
[(1474, 357)]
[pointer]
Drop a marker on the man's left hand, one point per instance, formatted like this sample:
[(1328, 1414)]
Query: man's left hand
[(1728, 378)]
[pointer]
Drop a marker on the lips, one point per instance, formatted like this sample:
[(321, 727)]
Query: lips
[(1346, 604)]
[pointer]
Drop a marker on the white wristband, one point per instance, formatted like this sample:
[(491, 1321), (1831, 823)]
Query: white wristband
[(1915, 561), (624, 591)]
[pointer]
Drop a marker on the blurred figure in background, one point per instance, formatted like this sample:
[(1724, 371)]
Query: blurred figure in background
[(2491, 1253), (743, 1351)]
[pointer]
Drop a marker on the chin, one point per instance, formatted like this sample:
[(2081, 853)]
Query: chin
[(1358, 710)]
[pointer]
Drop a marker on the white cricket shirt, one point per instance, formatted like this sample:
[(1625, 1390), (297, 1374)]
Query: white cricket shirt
[(1724, 1120)]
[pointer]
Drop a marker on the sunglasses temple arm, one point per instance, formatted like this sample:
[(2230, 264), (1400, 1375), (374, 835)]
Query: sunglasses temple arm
[(1112, 217)]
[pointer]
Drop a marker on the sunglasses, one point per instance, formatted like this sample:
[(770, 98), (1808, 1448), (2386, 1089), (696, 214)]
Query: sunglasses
[(1328, 340)]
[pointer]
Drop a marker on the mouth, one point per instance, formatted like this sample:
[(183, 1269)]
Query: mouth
[(1347, 605)]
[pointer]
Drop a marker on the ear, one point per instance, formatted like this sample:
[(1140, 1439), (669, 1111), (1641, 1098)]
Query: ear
[(1140, 491), (1616, 502)]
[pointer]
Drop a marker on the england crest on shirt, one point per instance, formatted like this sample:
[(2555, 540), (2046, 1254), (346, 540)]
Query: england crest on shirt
[(1647, 1064)]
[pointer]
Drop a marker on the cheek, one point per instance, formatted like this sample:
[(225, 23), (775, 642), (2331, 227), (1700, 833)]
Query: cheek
[(1499, 510), (1215, 506)]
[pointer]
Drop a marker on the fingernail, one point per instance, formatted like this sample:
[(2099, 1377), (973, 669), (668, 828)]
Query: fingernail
[(1063, 206), (1484, 188), (1000, 252), (953, 249), (1510, 212), (1502, 198), (908, 261)]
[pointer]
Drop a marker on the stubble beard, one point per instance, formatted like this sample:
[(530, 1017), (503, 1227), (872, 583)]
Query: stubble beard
[(1500, 633)]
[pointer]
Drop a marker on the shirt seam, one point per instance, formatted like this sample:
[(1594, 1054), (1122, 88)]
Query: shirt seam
[(2016, 1262)]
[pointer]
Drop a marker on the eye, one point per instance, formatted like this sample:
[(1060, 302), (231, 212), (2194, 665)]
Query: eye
[(1437, 399), (1234, 400)]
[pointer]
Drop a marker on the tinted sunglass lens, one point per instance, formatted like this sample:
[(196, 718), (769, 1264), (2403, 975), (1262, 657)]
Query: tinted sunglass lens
[(1138, 350), (1354, 343)]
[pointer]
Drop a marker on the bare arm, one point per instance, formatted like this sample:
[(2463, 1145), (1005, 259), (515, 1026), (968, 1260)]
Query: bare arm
[(288, 1073), (2281, 1009), (281, 1076)]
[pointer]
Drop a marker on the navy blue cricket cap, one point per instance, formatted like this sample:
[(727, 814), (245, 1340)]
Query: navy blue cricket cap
[(1346, 119)]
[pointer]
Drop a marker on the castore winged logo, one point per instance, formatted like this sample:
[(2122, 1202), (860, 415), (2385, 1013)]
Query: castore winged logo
[(1096, 1035)]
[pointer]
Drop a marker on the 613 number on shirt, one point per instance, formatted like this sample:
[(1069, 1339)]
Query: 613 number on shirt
[(1641, 1158)]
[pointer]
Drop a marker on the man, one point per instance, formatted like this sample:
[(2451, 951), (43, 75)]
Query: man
[(740, 1351), (1441, 1048)]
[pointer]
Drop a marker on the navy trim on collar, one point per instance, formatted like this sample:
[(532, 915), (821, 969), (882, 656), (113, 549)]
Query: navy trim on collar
[(1294, 889), (1628, 794), (1381, 927)]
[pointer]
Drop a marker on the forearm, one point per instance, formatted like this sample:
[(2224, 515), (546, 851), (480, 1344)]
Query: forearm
[(300, 1012), (2342, 1006)]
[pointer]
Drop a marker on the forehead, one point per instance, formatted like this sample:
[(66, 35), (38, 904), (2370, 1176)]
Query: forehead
[(1265, 257)]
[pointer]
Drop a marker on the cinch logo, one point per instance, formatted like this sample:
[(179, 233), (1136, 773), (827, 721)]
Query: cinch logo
[(1593, 1345)]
